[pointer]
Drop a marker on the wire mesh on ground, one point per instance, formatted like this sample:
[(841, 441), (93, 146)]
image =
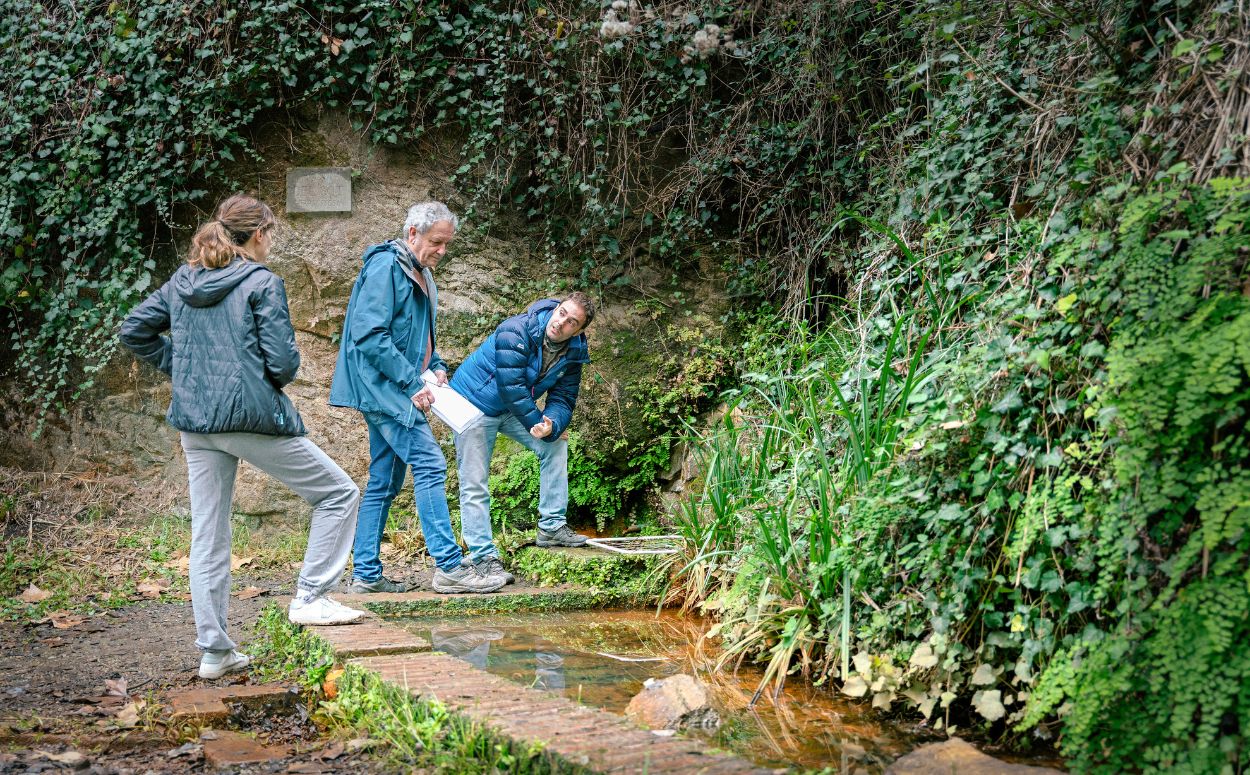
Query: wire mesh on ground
[(665, 544)]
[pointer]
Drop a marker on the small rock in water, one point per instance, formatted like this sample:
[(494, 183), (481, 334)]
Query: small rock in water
[(676, 702)]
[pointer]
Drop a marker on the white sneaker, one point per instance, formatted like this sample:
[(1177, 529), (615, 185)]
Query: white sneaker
[(321, 610), (215, 664), (346, 611)]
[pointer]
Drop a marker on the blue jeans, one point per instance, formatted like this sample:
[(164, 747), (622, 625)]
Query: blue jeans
[(393, 449), (474, 448)]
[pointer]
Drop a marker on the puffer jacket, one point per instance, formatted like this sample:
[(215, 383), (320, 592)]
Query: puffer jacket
[(388, 322), (230, 350), (501, 375)]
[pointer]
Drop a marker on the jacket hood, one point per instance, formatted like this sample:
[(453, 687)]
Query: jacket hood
[(539, 313), (542, 305), (199, 287)]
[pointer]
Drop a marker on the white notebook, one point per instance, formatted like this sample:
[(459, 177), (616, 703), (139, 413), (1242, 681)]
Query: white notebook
[(449, 406)]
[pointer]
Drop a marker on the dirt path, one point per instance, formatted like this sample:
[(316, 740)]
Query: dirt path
[(54, 712)]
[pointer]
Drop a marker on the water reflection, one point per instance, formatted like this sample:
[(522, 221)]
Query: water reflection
[(472, 644), (602, 658)]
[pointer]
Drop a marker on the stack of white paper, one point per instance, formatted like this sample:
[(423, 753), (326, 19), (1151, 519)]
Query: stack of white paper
[(449, 406)]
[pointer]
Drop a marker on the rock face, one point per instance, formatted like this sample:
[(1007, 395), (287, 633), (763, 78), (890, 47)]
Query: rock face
[(676, 702), (958, 756), (119, 428)]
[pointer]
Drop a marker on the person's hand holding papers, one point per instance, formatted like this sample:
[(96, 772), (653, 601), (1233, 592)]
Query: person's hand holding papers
[(424, 398), (446, 404)]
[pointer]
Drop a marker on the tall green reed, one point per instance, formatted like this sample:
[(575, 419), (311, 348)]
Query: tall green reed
[(792, 448)]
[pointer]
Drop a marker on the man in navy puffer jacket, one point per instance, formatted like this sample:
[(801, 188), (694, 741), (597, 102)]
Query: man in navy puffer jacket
[(539, 352)]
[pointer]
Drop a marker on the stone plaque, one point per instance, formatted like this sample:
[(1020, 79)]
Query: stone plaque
[(319, 190)]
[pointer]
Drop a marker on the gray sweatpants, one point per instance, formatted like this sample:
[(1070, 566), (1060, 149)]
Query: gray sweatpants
[(212, 461)]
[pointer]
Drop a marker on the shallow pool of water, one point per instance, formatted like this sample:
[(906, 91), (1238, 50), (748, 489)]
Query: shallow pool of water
[(602, 658)]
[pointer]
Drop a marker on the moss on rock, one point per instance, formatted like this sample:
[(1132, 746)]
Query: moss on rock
[(624, 579)]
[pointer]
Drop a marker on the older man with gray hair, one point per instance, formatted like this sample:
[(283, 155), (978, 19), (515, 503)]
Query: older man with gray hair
[(388, 342)]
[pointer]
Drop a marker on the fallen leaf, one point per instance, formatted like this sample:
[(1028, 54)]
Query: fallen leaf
[(62, 620), (127, 717), (330, 686), (331, 751), (239, 562), (54, 642), (34, 594), (360, 744), (115, 687), (69, 758), (249, 593), (152, 588), (194, 750), (181, 563)]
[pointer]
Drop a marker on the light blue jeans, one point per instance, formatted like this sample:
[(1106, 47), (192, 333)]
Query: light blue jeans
[(393, 449), (474, 448)]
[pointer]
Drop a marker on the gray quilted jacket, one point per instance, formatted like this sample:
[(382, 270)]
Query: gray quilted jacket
[(230, 348)]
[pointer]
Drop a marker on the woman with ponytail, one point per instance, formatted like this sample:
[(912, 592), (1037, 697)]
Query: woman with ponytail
[(229, 351)]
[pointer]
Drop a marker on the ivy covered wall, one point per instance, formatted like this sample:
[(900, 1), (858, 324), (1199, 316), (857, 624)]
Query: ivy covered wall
[(1011, 490)]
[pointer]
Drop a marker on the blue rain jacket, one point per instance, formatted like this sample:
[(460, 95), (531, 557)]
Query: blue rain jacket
[(388, 322)]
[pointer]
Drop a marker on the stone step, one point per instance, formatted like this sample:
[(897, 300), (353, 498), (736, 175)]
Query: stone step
[(208, 704), (223, 749)]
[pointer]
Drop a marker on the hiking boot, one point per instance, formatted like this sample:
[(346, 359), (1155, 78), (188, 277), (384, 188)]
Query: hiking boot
[(381, 584), (467, 578), (563, 536), (215, 664), (491, 566), (320, 611)]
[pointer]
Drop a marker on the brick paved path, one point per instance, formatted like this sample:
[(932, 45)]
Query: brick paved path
[(582, 737)]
